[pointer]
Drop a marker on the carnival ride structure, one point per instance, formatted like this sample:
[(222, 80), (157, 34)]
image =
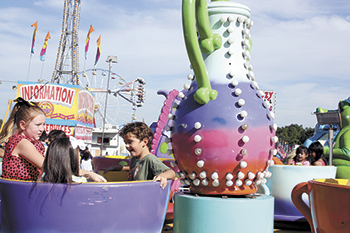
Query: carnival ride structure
[(328, 209), (281, 183), (115, 100), (124, 96), (340, 152), (321, 135), (84, 207), (222, 131), (161, 143), (288, 183)]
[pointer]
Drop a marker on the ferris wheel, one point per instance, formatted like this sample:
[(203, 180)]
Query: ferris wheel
[(120, 100)]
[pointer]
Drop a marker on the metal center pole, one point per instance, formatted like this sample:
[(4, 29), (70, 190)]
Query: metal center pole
[(104, 114), (330, 139)]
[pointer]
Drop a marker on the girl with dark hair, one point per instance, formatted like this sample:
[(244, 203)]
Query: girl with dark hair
[(61, 164), (54, 134), (301, 158), (316, 154)]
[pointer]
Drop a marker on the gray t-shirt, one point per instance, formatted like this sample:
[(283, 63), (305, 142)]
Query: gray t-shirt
[(146, 168)]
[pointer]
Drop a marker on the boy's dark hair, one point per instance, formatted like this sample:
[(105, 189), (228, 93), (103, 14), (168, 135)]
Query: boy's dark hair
[(140, 130), (318, 149), (301, 149)]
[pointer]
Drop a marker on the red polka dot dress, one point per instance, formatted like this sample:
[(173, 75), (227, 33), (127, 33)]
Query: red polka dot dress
[(18, 168)]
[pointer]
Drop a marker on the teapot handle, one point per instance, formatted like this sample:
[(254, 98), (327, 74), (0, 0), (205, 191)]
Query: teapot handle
[(263, 189), (298, 202), (195, 16)]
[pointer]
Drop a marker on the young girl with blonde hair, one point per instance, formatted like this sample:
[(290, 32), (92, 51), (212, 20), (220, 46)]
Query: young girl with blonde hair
[(24, 153)]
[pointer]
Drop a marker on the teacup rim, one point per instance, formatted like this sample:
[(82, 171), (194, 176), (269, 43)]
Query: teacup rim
[(341, 183)]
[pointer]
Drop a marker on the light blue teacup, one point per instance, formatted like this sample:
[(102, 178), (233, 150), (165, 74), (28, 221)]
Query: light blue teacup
[(282, 182)]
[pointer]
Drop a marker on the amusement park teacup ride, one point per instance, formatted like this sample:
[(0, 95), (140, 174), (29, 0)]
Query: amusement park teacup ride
[(328, 209), (118, 205), (281, 183), (222, 137), (127, 206), (103, 162)]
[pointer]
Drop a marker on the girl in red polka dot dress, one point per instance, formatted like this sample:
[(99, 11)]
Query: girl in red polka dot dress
[(24, 153)]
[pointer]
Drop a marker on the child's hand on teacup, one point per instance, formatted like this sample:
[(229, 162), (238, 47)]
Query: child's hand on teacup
[(95, 177), (162, 179)]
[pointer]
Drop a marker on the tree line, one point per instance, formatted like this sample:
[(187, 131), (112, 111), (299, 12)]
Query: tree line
[(294, 134)]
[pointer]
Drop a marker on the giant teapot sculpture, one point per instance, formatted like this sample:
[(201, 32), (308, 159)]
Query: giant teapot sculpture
[(223, 134)]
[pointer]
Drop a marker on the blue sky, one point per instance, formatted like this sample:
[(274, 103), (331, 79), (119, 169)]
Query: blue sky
[(301, 48)]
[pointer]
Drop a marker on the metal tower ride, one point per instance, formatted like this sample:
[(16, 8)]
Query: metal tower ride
[(67, 61), (127, 96)]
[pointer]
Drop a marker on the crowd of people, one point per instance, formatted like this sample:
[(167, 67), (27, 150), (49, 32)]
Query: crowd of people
[(32, 155)]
